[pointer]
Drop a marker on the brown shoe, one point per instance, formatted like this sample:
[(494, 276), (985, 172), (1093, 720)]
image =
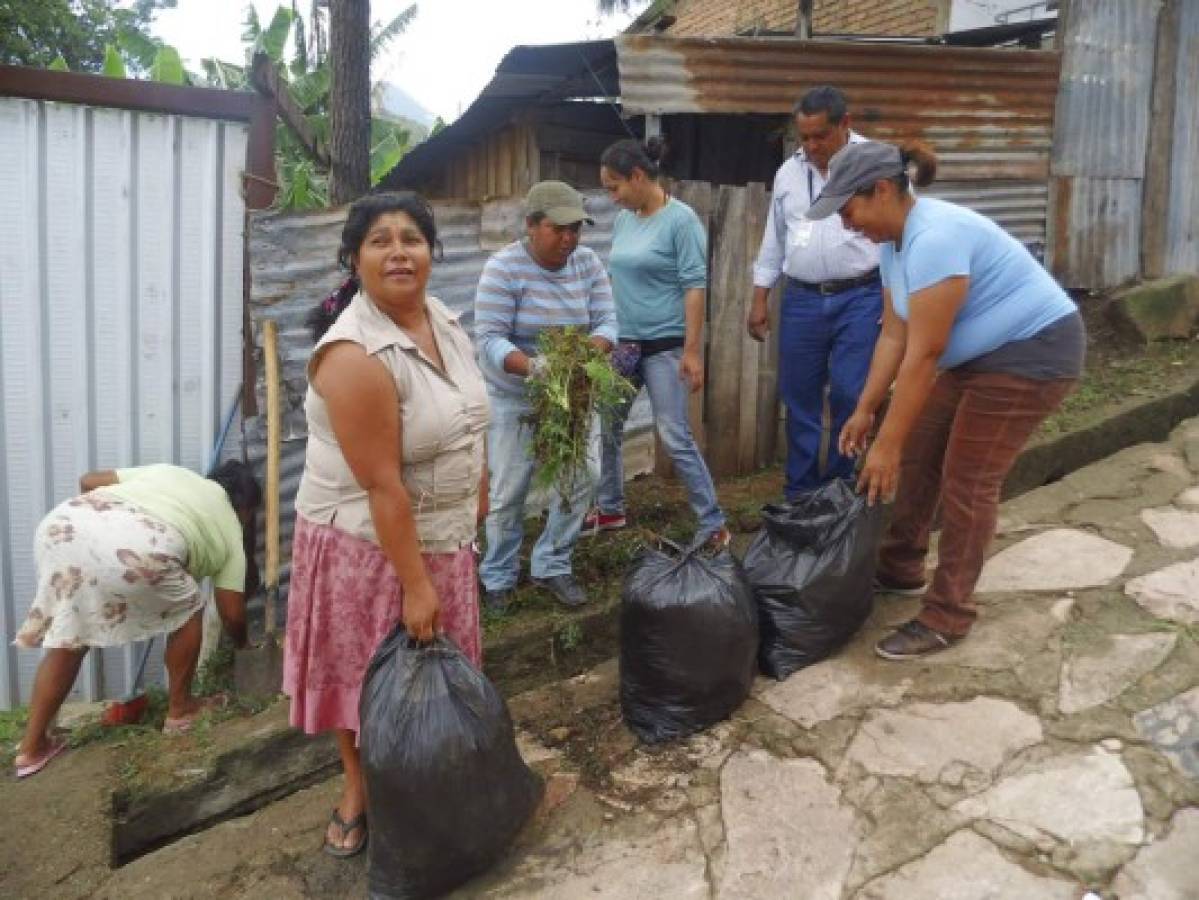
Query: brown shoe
[(912, 640)]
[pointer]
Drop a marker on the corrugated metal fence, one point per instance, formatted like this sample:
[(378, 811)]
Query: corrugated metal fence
[(121, 242), (293, 266), (1124, 200)]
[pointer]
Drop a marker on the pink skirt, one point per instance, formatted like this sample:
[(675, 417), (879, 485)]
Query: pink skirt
[(344, 599)]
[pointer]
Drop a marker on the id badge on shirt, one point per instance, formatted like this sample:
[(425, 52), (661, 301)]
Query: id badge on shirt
[(799, 233)]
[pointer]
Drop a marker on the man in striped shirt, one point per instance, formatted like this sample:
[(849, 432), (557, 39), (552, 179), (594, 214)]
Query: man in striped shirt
[(544, 281)]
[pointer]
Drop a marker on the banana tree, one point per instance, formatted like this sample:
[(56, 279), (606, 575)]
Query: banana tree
[(306, 77)]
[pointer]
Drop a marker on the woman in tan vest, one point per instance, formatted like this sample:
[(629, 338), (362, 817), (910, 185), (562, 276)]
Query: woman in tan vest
[(394, 481)]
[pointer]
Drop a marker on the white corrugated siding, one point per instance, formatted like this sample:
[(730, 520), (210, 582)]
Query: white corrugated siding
[(120, 320)]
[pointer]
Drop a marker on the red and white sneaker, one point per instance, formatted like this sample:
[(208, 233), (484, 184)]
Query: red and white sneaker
[(597, 521)]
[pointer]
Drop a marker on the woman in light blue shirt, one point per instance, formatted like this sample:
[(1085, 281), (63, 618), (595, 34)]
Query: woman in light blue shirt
[(981, 345), (659, 269)]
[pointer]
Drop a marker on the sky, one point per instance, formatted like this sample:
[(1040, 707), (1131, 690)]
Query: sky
[(444, 59)]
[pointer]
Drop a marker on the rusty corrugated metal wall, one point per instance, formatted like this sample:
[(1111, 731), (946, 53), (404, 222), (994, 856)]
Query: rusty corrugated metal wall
[(1100, 141), (988, 113)]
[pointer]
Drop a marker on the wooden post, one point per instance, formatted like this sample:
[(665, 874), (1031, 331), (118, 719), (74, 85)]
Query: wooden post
[(270, 352), (727, 321), (505, 162), (752, 352), (1155, 209), (697, 195), (771, 423), (803, 19)]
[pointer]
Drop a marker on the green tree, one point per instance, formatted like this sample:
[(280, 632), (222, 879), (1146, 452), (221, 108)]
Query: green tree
[(299, 50), (78, 33)]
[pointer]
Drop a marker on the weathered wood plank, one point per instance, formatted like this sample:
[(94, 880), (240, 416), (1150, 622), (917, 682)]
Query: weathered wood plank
[(727, 316)]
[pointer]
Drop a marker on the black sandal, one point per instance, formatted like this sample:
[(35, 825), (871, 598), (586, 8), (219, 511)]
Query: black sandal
[(359, 821)]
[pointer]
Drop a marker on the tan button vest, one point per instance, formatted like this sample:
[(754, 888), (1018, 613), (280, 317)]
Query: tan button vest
[(443, 418)]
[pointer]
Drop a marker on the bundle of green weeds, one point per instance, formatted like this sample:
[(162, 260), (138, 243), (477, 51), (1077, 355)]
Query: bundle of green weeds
[(577, 382)]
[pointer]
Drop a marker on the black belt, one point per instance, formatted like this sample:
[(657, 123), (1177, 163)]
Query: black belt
[(836, 287)]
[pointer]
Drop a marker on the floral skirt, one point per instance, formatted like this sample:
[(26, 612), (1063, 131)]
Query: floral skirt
[(108, 574), (343, 600)]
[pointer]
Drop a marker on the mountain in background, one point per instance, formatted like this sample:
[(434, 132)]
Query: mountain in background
[(390, 101)]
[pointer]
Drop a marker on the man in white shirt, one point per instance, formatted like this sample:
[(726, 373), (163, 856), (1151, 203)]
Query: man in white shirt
[(832, 299)]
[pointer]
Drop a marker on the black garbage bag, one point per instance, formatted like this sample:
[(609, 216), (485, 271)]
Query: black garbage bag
[(446, 788), (812, 572), (688, 642)]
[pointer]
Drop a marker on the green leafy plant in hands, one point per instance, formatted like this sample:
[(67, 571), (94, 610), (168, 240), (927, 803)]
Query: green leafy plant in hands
[(576, 382)]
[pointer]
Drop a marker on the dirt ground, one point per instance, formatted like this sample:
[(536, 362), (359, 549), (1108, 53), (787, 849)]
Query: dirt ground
[(55, 838)]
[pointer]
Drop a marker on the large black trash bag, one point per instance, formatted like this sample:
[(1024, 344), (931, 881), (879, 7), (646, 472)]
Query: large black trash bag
[(688, 642), (446, 788), (812, 571)]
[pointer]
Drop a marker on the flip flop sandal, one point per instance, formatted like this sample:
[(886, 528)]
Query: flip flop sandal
[(184, 724), (359, 821), (32, 768)]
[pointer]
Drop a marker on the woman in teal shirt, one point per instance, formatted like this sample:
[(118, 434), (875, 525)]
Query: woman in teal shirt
[(981, 345), (659, 270)]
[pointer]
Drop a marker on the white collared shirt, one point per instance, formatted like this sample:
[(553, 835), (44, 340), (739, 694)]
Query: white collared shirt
[(803, 249)]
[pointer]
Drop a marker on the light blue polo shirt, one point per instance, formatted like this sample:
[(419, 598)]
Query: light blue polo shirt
[(1011, 297)]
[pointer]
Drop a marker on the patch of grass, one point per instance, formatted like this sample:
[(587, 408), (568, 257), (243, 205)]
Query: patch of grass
[(12, 727), (1114, 379), (215, 674), (568, 635)]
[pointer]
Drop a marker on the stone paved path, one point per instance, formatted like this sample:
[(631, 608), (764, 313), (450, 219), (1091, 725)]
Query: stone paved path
[(1056, 751)]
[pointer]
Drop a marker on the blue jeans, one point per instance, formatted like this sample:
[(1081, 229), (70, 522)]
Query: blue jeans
[(823, 340), (511, 467), (668, 395)]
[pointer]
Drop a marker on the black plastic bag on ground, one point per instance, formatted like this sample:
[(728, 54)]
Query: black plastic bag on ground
[(812, 572), (688, 642), (447, 790)]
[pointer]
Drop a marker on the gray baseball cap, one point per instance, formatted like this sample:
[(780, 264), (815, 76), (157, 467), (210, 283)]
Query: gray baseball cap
[(853, 168), (558, 201)]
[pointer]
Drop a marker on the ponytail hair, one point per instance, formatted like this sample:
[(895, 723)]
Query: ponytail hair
[(322, 316), (919, 164), (625, 156)]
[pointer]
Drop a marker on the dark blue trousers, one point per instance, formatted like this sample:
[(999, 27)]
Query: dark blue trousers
[(824, 340)]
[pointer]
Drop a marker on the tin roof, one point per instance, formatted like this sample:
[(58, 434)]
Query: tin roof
[(988, 113)]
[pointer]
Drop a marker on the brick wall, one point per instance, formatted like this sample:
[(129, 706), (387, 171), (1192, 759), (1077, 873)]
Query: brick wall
[(718, 18)]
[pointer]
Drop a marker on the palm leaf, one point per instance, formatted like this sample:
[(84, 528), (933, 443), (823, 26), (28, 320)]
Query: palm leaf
[(168, 67), (224, 75), (382, 35), (59, 64), (311, 90), (137, 48), (274, 39), (386, 154), (114, 66)]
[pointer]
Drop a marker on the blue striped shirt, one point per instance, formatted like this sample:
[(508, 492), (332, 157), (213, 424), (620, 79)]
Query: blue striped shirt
[(516, 299)]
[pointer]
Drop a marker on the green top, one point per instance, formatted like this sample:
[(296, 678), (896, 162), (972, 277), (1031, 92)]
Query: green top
[(199, 509)]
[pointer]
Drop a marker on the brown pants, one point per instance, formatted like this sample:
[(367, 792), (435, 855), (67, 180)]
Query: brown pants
[(958, 455)]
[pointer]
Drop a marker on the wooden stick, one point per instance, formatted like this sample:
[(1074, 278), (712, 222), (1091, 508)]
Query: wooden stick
[(270, 352)]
